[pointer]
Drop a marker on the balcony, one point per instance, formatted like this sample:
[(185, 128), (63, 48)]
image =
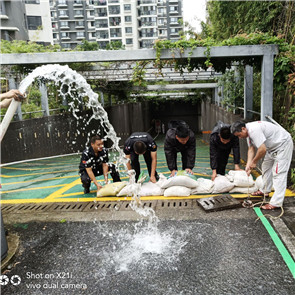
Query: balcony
[(62, 5), (174, 12)]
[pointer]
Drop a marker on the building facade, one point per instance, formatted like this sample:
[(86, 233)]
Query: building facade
[(13, 21), (39, 21), (28, 20), (136, 24)]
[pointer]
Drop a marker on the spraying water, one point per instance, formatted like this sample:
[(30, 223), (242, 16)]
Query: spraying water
[(146, 238), (69, 81)]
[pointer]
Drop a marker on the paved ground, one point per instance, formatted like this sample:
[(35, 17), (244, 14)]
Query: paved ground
[(187, 252)]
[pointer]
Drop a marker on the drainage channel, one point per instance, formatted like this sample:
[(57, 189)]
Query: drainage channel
[(94, 206)]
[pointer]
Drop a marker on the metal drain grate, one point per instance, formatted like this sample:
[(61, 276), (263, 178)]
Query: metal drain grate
[(67, 207), (25, 208), (94, 206), (145, 204), (173, 204), (217, 203), (102, 206)]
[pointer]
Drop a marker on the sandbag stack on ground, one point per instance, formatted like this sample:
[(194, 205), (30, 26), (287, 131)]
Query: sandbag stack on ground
[(222, 185), (111, 189), (242, 182), (204, 186), (178, 186)]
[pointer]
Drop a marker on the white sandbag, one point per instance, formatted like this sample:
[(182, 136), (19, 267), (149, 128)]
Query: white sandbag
[(151, 189), (129, 190), (179, 181), (204, 186), (111, 189), (240, 178), (222, 185), (243, 190), (259, 184), (162, 179), (177, 191)]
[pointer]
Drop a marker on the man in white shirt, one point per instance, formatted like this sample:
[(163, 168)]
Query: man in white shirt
[(273, 143)]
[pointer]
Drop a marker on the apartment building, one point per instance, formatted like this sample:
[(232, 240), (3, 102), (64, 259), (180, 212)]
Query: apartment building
[(39, 21), (27, 20), (13, 21), (136, 24)]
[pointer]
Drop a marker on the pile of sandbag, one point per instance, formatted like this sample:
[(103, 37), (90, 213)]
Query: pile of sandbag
[(242, 183), (184, 185)]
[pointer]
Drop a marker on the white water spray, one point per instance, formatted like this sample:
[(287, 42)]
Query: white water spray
[(69, 81)]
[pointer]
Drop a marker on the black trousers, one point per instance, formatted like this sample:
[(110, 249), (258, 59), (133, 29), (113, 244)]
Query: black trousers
[(86, 181), (136, 166), (222, 159), (183, 159)]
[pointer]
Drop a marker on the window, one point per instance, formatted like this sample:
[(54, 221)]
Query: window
[(64, 24), (64, 35), (66, 45), (115, 21), (128, 30), (34, 22), (32, 1), (114, 9), (79, 24), (78, 2), (174, 8), (62, 2), (115, 33), (80, 35), (63, 13), (127, 7), (101, 23), (173, 20), (128, 19), (101, 12), (102, 34), (129, 41), (78, 12)]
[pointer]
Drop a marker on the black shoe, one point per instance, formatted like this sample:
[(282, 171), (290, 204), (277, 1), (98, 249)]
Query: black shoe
[(86, 190)]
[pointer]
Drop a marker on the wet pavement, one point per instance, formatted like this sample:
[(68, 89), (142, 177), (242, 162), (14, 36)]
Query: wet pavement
[(188, 252)]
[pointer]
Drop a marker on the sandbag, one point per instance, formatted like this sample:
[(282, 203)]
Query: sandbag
[(240, 178), (242, 190), (177, 191), (129, 190), (259, 184), (204, 186), (179, 181), (185, 173), (222, 185), (111, 189), (162, 179), (151, 189)]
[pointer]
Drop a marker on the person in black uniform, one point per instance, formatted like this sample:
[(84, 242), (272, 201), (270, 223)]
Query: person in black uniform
[(141, 143), (179, 138), (94, 162), (221, 143)]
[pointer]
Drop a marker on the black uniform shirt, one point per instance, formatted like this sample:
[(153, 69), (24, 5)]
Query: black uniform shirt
[(217, 148), (90, 160), (172, 146), (139, 136)]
